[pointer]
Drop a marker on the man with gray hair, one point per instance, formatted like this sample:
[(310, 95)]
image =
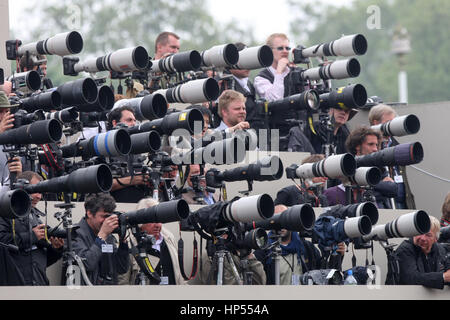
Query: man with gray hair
[(422, 260)]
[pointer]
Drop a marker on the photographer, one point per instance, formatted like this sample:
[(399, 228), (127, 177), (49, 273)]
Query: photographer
[(95, 243), (129, 189), (309, 192), (37, 63), (297, 255), (166, 43), (232, 111), (379, 114), (422, 260), (318, 134), (164, 253), (36, 252), (270, 83), (197, 192), (364, 141), (445, 220), (240, 82), (7, 165)]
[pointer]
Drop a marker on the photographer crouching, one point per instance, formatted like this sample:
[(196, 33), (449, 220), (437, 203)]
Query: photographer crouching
[(422, 260)]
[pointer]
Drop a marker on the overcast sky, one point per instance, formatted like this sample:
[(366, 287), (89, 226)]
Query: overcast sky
[(266, 16)]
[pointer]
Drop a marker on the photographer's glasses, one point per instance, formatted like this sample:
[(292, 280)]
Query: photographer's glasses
[(283, 48)]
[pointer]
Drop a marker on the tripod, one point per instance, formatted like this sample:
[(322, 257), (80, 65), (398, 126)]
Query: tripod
[(222, 253), (69, 256), (275, 253)]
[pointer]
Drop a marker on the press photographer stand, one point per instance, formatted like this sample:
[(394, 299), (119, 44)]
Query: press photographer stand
[(275, 253)]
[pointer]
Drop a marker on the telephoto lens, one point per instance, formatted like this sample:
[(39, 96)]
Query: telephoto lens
[(221, 56), (78, 92), (227, 151), (249, 209), (22, 117), (178, 62), (354, 210), (266, 169), (195, 91), (254, 58), (104, 101), (341, 69), (187, 120), (145, 142), (123, 60), (46, 101), (406, 226), (114, 143), (93, 179), (333, 167), (67, 115), (345, 98), (308, 100), (62, 44), (26, 81), (150, 107), (165, 212), (39, 132), (400, 155), (364, 176), (299, 218), (15, 204), (256, 239), (400, 126), (346, 46), (357, 227)]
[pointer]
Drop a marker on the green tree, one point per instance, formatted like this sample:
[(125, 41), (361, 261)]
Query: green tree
[(426, 21), (111, 25)]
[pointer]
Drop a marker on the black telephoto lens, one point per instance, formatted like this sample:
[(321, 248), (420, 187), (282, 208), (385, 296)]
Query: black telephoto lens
[(14, 204), (39, 132), (164, 212)]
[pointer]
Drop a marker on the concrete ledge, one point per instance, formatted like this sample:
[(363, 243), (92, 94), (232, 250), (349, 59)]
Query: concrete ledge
[(210, 293)]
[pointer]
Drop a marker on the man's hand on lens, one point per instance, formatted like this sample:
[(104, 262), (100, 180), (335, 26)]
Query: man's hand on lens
[(109, 225), (6, 122), (39, 231)]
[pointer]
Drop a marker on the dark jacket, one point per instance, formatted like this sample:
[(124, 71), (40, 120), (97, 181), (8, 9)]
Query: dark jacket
[(292, 195), (102, 268), (318, 138), (34, 256), (311, 259), (418, 269)]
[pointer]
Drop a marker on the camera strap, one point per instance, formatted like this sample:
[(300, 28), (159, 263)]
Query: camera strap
[(194, 258)]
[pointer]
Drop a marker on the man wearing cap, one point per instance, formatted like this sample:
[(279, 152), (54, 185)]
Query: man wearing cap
[(6, 165), (318, 133)]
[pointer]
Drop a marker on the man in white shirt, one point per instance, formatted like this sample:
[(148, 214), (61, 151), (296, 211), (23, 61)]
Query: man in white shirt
[(269, 83)]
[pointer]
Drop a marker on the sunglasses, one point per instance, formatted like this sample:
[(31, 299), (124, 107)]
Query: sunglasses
[(285, 48)]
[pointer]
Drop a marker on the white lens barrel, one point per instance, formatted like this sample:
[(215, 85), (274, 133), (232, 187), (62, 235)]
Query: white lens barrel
[(400, 126), (254, 58), (221, 56), (27, 81), (341, 69), (249, 209), (357, 227), (61, 44), (195, 91), (305, 171), (410, 225), (366, 176), (346, 46)]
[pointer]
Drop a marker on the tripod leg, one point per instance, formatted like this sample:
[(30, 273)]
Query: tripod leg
[(233, 268)]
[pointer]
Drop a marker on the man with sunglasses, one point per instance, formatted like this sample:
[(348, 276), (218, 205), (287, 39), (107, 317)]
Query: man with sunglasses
[(274, 83), (270, 82)]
